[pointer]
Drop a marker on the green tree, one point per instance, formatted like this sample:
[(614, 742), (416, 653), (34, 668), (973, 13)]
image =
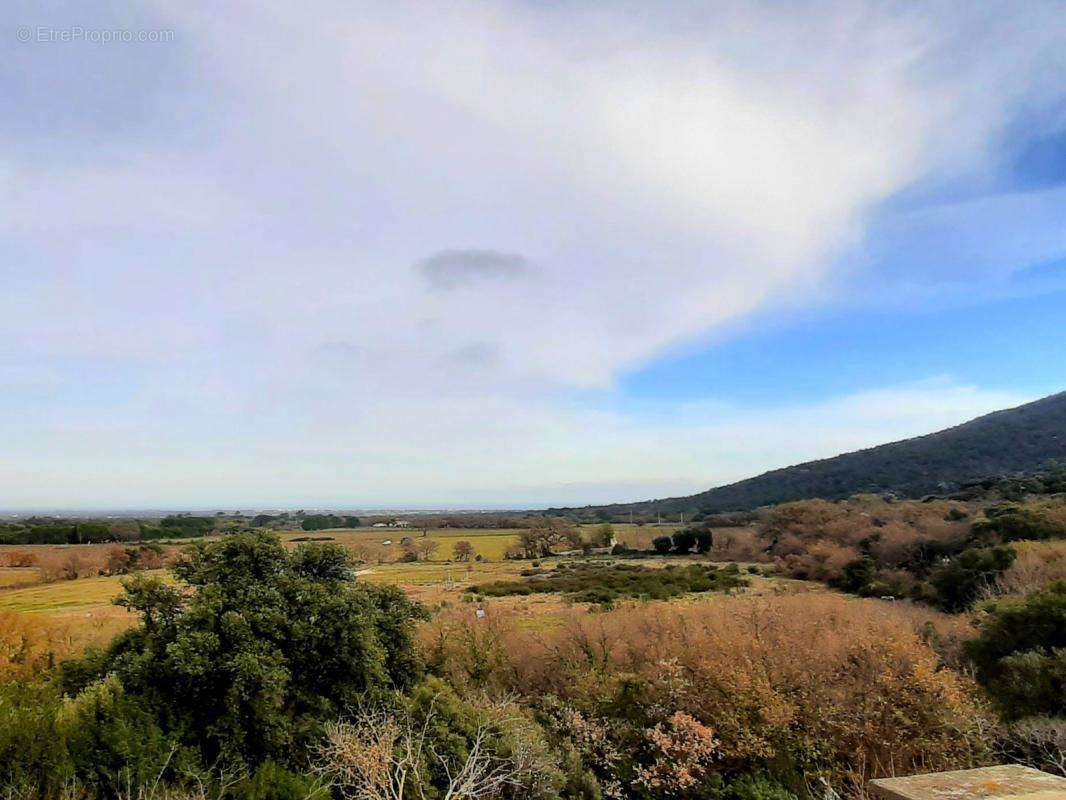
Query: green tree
[(257, 645), (684, 541), (704, 540)]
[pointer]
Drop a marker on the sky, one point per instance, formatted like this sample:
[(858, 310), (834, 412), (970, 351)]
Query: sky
[(514, 254)]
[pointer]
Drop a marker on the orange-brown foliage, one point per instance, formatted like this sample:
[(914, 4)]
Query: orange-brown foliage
[(68, 562), (1037, 565), (738, 544), (30, 643), (816, 538), (769, 675)]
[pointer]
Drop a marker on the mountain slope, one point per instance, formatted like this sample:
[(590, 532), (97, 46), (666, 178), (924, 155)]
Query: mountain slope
[(1019, 439)]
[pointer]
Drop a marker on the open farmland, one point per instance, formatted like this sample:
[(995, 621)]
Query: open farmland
[(83, 610), (490, 543)]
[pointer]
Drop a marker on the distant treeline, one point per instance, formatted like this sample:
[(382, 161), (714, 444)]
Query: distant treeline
[(37, 530)]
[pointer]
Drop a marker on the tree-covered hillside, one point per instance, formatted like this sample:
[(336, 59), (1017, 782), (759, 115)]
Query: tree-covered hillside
[(1022, 439)]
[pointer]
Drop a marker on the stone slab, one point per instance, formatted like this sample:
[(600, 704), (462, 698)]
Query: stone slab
[(1008, 782)]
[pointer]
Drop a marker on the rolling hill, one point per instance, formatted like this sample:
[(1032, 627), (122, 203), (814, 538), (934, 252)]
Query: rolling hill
[(1014, 440)]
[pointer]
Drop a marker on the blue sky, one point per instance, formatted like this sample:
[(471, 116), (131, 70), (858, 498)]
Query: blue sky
[(514, 253), (1012, 343)]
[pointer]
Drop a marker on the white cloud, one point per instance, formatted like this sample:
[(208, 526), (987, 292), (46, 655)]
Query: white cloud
[(655, 172)]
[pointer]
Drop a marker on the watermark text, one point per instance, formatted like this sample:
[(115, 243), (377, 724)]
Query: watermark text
[(46, 34)]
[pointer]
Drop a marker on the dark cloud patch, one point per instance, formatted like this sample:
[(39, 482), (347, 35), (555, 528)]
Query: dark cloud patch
[(475, 354), (453, 269)]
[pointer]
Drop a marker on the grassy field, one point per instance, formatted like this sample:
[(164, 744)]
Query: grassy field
[(81, 595), (74, 614), (81, 613), (489, 543), (18, 576)]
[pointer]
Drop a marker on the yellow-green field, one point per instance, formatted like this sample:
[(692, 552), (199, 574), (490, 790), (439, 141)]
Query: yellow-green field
[(489, 543), (83, 609), (84, 594), (18, 576)]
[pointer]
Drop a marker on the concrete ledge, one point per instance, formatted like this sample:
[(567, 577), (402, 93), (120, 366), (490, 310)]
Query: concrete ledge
[(1009, 782)]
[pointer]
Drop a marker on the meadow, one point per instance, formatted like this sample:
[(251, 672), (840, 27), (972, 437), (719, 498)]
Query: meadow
[(489, 543), (66, 615)]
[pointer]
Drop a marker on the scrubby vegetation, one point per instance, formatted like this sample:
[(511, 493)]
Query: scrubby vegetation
[(945, 553), (597, 582), (258, 671), (1021, 653), (741, 697)]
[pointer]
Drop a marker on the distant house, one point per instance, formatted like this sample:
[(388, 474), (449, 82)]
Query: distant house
[(381, 525), (402, 523)]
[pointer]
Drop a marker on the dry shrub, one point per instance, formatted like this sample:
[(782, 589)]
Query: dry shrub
[(70, 562), (638, 538), (894, 544), (1038, 742), (805, 519), (1038, 564), (1053, 508), (18, 558), (842, 686), (824, 560), (812, 538), (370, 552), (738, 544), (32, 642)]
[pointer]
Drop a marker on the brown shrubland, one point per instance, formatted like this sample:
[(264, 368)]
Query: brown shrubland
[(1037, 565), (852, 679), (815, 539)]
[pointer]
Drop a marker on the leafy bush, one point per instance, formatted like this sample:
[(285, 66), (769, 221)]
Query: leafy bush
[(32, 755), (858, 574), (662, 544), (1021, 654), (271, 781), (960, 582), (1012, 523), (756, 787), (112, 740), (600, 583)]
